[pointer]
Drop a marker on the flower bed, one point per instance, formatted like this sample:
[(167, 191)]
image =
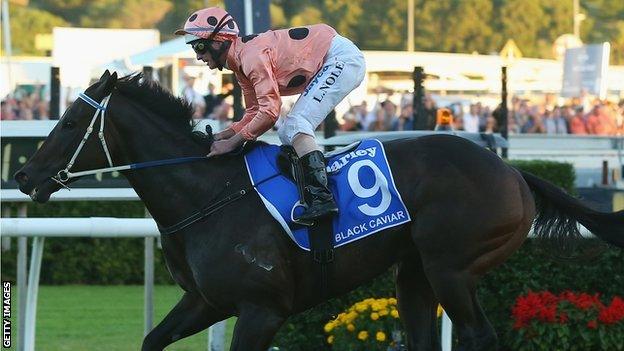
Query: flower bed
[(371, 324), (568, 321)]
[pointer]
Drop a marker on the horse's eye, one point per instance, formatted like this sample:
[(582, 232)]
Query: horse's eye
[(68, 124)]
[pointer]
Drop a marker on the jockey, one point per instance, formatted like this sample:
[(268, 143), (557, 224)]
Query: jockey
[(313, 61)]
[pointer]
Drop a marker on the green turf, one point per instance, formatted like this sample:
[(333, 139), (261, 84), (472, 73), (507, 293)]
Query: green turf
[(93, 318)]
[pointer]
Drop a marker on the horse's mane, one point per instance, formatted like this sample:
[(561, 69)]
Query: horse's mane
[(158, 100)]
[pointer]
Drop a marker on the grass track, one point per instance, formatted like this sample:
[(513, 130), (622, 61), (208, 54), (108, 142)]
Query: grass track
[(98, 318)]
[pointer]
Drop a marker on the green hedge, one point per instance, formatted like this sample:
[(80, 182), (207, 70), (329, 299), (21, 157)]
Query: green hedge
[(120, 261)]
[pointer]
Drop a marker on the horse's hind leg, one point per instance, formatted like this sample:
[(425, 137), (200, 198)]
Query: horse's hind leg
[(453, 270), (456, 291), (417, 306), (255, 328), (189, 316)]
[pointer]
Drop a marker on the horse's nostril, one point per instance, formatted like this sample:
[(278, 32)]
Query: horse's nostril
[(21, 178)]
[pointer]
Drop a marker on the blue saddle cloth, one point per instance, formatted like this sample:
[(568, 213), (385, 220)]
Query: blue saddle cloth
[(360, 180)]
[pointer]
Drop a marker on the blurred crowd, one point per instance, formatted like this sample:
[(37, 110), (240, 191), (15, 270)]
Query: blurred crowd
[(25, 106), (576, 116), (392, 112)]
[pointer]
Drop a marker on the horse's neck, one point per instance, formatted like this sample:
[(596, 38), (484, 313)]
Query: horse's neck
[(170, 193)]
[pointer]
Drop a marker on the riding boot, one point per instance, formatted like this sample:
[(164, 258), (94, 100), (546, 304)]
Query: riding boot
[(319, 199)]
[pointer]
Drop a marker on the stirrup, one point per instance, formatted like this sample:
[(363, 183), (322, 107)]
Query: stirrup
[(306, 223)]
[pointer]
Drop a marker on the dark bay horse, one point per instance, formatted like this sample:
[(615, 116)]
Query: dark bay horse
[(470, 211)]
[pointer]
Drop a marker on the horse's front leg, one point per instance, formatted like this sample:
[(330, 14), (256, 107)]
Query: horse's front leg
[(191, 315), (255, 328)]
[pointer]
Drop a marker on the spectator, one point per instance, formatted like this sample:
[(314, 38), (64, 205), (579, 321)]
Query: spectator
[(490, 125), (554, 122), (406, 118), (385, 116), (578, 122), (363, 117), (599, 122), (193, 97), (42, 110), (430, 112), (471, 120), (349, 122), (213, 100), (534, 124), (221, 114), (6, 112)]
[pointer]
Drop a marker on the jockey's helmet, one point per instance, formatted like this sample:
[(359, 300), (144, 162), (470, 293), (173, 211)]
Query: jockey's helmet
[(208, 25), (211, 23)]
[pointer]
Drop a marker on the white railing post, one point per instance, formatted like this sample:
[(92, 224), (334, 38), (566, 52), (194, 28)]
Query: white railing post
[(216, 337), (22, 259), (149, 285), (447, 332), (33, 291), (148, 275)]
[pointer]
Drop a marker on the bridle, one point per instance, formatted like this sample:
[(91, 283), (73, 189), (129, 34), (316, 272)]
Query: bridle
[(64, 175)]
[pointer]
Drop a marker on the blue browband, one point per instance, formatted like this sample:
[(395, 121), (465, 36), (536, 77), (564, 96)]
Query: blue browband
[(91, 102)]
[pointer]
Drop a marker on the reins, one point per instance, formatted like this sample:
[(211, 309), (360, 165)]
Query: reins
[(209, 210)]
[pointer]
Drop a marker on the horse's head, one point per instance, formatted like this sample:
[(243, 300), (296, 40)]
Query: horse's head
[(64, 149)]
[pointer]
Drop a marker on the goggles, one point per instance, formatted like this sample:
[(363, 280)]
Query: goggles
[(200, 47)]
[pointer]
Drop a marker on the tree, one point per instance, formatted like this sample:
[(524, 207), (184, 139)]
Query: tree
[(309, 15), (467, 26), (26, 22), (605, 22), (179, 13), (521, 21), (133, 14)]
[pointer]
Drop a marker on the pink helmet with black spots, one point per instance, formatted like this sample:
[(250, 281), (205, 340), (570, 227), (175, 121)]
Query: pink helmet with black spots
[(212, 23)]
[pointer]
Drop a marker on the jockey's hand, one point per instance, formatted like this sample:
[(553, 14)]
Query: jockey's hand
[(221, 147), (224, 134)]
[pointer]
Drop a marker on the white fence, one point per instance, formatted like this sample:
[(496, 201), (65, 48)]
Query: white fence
[(40, 228)]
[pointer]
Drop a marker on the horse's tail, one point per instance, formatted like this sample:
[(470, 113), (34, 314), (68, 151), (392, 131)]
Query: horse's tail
[(558, 215)]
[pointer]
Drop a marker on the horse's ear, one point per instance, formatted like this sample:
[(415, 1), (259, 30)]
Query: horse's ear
[(105, 76), (109, 81)]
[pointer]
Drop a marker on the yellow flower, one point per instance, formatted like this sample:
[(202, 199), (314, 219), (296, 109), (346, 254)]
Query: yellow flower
[(380, 336), (374, 316), (440, 310), (328, 327), (394, 313), (361, 307), (351, 316), (392, 301), (330, 339), (350, 327), (383, 312), (363, 335)]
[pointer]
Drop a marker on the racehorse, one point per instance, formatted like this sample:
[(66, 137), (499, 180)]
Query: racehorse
[(470, 211)]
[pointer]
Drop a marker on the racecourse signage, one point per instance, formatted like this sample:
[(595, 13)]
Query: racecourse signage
[(585, 70)]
